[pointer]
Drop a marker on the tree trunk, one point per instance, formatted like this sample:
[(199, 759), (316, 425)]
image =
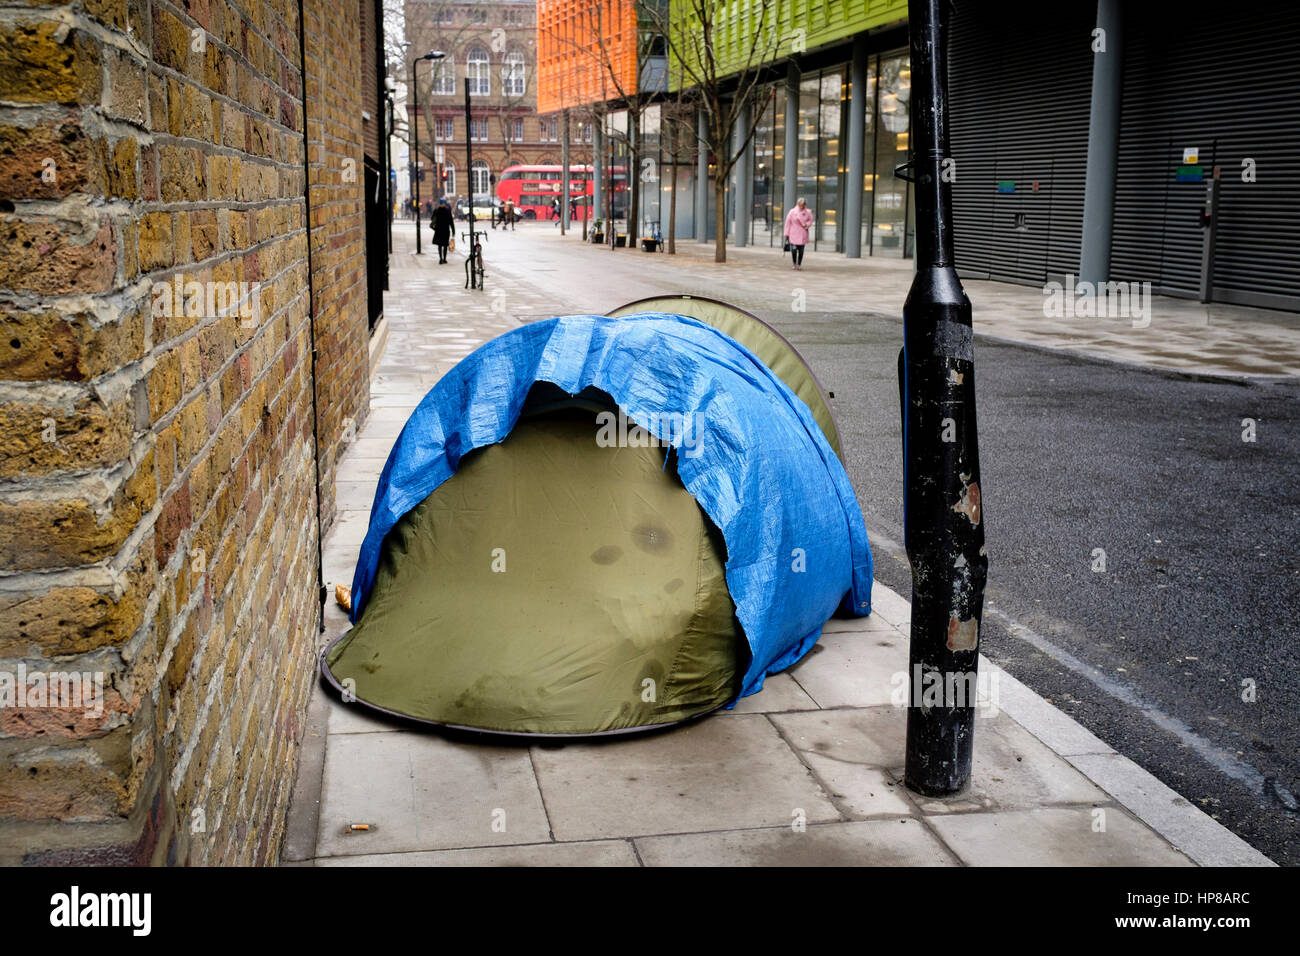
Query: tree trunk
[(671, 137), (672, 214), (720, 217), (634, 183)]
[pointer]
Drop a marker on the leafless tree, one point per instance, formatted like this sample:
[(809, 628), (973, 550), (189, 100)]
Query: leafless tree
[(722, 87), (593, 35)]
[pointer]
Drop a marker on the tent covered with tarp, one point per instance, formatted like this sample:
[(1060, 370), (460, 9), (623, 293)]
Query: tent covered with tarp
[(598, 524)]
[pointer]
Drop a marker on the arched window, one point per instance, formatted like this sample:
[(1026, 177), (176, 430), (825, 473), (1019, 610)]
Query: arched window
[(449, 186), (478, 73), (514, 79), (480, 176), (444, 76)]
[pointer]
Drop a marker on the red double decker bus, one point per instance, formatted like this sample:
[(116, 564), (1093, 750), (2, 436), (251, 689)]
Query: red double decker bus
[(533, 190)]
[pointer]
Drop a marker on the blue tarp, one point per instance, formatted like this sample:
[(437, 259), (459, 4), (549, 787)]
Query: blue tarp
[(759, 466)]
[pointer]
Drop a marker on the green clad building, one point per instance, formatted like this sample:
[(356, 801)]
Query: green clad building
[(1086, 138)]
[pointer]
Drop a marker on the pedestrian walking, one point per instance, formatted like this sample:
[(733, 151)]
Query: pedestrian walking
[(510, 214), (443, 226), (555, 208), (798, 222)]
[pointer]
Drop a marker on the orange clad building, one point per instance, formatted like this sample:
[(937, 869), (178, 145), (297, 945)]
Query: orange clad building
[(586, 52)]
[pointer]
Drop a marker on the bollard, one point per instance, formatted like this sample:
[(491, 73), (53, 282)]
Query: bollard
[(942, 512)]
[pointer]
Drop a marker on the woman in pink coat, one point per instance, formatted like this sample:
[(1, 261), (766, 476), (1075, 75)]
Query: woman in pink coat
[(798, 221)]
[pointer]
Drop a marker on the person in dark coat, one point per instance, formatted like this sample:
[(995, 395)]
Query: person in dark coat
[(443, 226)]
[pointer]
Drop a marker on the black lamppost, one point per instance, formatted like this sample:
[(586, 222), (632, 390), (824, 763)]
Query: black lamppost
[(390, 88), (943, 513), (415, 135)]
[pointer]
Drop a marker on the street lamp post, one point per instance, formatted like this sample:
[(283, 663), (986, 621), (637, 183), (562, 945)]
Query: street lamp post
[(415, 135), (390, 88), (943, 516), (469, 172)]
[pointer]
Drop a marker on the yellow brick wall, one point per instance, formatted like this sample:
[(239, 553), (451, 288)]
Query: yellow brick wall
[(158, 517)]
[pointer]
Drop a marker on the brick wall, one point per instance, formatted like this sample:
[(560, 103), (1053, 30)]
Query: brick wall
[(338, 235), (371, 79), (158, 519)]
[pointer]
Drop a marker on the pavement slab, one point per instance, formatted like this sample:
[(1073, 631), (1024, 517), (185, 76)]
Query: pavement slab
[(712, 774), (419, 791), (597, 853), (873, 843), (1065, 836)]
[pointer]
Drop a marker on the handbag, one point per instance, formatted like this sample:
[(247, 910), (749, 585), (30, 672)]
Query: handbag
[(451, 244), (786, 247)]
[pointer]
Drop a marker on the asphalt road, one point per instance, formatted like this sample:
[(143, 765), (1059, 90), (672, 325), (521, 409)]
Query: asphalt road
[(1201, 587)]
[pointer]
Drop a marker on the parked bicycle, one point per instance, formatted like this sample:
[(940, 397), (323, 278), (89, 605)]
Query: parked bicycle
[(474, 259)]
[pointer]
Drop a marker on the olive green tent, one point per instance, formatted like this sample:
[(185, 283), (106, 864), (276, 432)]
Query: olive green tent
[(556, 585)]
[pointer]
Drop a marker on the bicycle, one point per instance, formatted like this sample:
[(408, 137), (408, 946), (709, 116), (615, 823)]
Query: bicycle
[(474, 259)]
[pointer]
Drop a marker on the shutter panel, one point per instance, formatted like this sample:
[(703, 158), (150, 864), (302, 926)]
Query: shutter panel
[(1230, 86), (1020, 81)]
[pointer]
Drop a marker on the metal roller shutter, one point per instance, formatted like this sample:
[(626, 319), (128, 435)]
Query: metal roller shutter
[(1021, 81), (1228, 85)]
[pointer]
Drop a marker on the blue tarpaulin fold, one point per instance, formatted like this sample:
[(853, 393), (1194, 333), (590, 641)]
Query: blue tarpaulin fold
[(758, 465)]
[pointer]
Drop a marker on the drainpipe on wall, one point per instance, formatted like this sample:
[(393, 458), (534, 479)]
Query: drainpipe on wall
[(311, 314)]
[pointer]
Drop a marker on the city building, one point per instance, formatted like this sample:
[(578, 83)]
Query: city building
[(1084, 142), (492, 44)]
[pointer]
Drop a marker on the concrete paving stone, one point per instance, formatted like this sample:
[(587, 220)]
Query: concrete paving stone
[(335, 617), (391, 413), (338, 567), (371, 448), (387, 429), (422, 792), (355, 496), (355, 718), (780, 693), (302, 824), (1055, 836), (854, 668), (873, 736), (597, 853), (861, 791), (359, 469), (349, 529), (1182, 823), (712, 775), (397, 400), (872, 622), (891, 607), (902, 842), (1013, 768)]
